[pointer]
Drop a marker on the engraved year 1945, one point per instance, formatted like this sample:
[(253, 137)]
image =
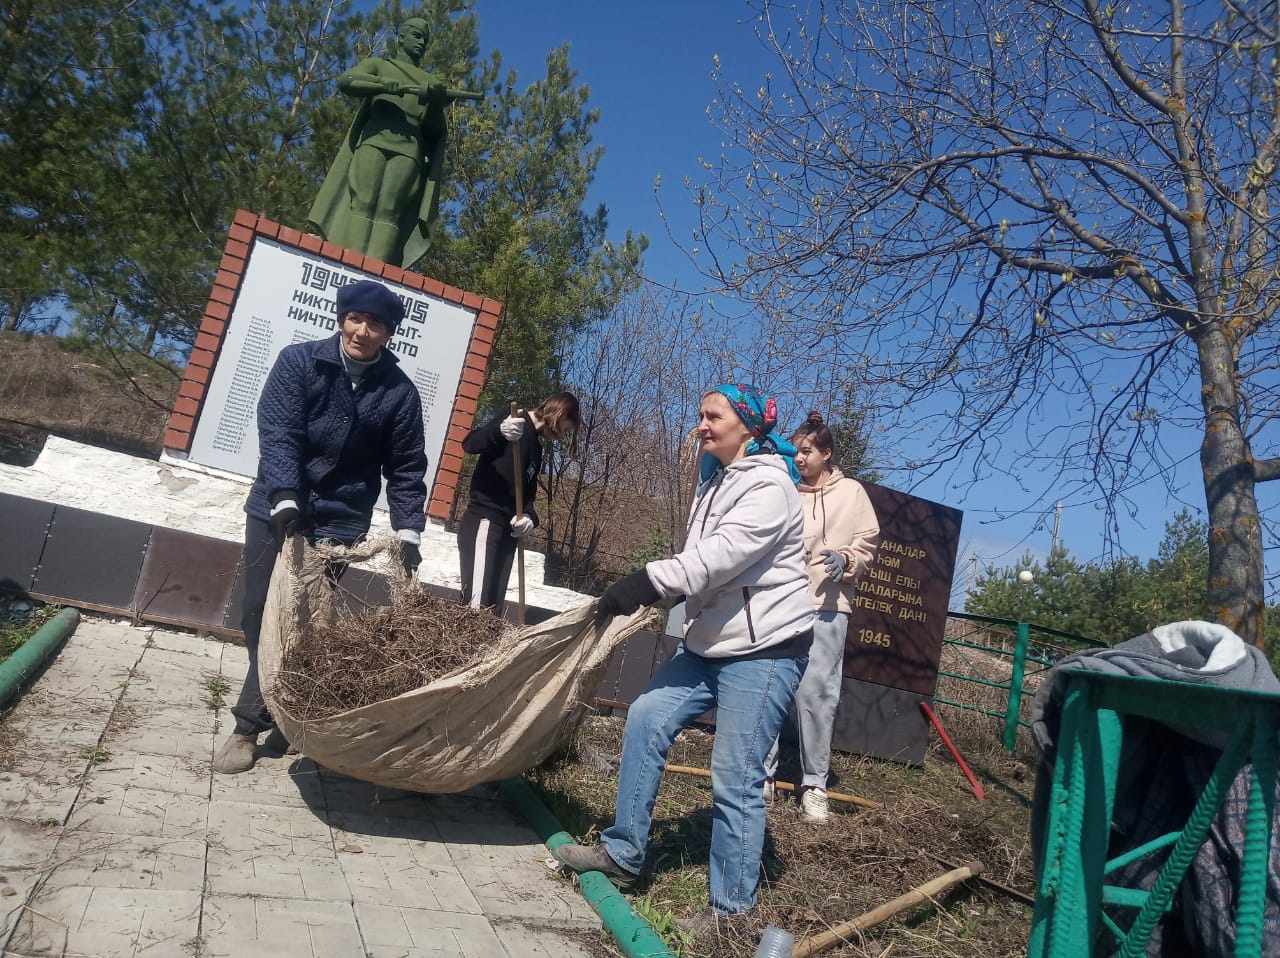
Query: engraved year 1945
[(872, 637)]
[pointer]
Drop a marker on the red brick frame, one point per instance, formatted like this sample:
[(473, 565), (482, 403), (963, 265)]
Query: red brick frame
[(226, 286)]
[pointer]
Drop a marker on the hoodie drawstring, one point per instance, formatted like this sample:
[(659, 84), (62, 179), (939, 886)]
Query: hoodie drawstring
[(820, 496)]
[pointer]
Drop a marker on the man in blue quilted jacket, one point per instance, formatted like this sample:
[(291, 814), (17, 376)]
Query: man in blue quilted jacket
[(335, 416)]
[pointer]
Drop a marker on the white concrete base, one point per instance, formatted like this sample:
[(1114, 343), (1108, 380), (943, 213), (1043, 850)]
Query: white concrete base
[(190, 498)]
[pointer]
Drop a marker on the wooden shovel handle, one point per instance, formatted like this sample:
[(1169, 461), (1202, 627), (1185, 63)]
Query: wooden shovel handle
[(781, 786), (518, 471), (843, 932), (515, 457)]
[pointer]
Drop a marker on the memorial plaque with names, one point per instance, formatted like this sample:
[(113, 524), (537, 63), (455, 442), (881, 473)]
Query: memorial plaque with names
[(900, 604), (287, 295)]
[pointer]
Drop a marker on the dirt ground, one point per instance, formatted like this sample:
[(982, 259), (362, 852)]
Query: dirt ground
[(47, 385), (819, 875)]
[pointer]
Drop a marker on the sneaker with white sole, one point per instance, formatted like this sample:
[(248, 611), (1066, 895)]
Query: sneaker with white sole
[(813, 805)]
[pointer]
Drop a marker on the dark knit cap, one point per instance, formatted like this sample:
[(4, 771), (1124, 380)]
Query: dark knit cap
[(366, 296)]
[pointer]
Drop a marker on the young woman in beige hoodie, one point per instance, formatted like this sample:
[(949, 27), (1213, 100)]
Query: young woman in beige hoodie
[(840, 538)]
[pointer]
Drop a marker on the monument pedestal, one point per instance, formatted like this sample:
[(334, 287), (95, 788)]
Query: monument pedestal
[(276, 286)]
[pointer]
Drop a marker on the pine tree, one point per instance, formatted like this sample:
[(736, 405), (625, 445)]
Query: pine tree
[(72, 77), (1110, 601), (514, 227)]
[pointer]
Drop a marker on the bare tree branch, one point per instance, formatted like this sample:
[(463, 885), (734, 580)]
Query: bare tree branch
[(992, 211)]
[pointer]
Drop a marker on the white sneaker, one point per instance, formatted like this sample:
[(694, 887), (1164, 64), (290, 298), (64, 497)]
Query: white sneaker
[(813, 805), (770, 791)]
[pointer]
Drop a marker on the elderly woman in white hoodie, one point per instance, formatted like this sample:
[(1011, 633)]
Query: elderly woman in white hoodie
[(748, 626), (841, 533)]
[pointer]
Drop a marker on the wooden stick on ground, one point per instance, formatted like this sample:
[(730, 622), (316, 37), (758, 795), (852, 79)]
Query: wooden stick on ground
[(783, 786), (841, 933)]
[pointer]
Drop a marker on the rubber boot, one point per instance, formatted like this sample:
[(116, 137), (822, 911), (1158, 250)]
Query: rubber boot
[(236, 754)]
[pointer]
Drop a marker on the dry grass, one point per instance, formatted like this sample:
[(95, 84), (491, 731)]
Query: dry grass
[(816, 876), (10, 747), (593, 942), (124, 718), (364, 657), (119, 403)]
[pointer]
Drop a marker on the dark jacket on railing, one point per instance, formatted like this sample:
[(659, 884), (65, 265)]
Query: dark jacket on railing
[(1162, 772)]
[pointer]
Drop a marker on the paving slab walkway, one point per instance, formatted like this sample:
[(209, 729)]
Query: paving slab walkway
[(116, 838)]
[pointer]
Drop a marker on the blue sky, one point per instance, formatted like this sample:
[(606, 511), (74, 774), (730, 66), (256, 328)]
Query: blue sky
[(649, 69)]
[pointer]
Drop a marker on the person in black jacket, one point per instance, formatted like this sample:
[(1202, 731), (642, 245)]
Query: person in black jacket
[(489, 528), (335, 416)]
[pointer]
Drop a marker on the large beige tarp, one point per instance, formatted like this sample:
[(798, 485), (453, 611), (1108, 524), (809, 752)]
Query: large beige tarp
[(497, 718)]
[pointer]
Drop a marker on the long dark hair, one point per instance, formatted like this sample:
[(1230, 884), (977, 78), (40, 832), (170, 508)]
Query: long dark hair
[(562, 413), (817, 432)]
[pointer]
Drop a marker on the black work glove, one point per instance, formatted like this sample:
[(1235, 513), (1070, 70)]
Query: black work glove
[(626, 595), (285, 523), (410, 558)]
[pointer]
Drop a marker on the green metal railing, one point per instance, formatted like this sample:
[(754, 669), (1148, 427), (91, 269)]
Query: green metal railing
[(1028, 650), (1073, 899)]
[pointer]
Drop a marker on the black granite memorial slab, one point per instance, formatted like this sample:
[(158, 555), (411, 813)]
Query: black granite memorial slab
[(882, 721), (91, 560), (637, 666), (24, 523)]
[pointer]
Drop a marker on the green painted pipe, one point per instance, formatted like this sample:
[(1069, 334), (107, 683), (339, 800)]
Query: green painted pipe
[(635, 935), (17, 668)]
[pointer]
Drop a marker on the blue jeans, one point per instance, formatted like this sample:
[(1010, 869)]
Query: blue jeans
[(751, 698)]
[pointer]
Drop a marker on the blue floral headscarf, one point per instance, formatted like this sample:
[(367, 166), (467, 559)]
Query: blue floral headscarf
[(759, 413)]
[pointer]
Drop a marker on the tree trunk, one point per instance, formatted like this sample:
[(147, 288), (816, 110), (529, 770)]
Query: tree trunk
[(1235, 593), (10, 316)]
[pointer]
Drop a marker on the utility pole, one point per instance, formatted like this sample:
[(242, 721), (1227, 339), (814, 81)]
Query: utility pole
[(1057, 518)]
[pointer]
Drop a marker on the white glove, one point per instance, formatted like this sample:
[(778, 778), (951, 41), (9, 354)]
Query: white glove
[(521, 526), (512, 428)]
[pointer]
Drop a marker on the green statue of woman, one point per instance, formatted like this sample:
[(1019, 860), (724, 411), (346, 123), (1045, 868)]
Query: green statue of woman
[(383, 191)]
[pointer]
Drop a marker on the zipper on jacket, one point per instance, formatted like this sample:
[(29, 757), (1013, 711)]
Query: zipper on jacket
[(746, 604), (709, 497)]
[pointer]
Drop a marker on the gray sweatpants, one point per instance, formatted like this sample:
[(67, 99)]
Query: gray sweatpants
[(816, 701)]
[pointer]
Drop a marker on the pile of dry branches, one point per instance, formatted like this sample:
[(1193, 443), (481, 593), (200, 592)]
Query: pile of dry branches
[(367, 657)]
